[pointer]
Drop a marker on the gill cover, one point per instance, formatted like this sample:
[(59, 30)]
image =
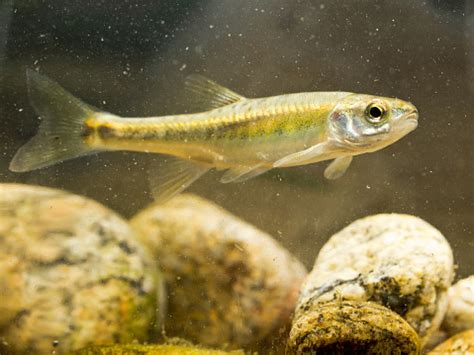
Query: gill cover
[(359, 120)]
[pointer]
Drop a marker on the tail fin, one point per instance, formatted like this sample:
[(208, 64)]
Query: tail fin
[(60, 135)]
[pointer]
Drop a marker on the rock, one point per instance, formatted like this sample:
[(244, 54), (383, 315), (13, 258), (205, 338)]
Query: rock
[(397, 261), (352, 327), (132, 349), (228, 282), (461, 343), (435, 339), (72, 274), (460, 314)]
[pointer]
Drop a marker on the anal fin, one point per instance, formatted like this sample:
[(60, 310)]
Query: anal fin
[(243, 173), (172, 176)]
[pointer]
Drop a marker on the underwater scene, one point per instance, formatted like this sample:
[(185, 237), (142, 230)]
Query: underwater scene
[(237, 177)]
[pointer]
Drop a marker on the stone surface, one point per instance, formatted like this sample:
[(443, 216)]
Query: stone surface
[(460, 313), (461, 343), (72, 273), (398, 261), (352, 327), (228, 282), (435, 339), (132, 349)]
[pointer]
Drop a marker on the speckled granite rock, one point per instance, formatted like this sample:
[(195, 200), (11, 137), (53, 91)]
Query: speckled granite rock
[(460, 314), (461, 343), (72, 273), (157, 349), (398, 261), (228, 282)]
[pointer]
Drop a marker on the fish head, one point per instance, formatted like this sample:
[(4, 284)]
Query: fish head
[(365, 123)]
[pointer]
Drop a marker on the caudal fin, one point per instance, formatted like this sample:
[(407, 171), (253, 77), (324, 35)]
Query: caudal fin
[(61, 132)]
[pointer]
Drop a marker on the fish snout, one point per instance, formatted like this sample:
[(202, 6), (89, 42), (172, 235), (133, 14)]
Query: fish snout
[(409, 121), (412, 113), (411, 109)]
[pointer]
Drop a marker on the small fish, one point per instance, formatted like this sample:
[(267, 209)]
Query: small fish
[(244, 136)]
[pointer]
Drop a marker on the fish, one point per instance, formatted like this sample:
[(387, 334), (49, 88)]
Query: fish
[(244, 137)]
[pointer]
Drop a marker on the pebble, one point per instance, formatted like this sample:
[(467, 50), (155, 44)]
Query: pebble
[(460, 314), (72, 274), (228, 282), (459, 344), (352, 327), (398, 261)]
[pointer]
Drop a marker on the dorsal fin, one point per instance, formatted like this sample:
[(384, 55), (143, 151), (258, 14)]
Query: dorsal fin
[(207, 94)]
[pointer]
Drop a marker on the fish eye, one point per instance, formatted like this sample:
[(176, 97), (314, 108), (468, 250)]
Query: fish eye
[(375, 113)]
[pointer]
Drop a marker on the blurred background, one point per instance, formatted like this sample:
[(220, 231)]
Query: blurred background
[(131, 58)]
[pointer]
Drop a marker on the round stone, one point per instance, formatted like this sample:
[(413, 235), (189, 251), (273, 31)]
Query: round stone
[(461, 343), (228, 282), (460, 313), (398, 261), (352, 327), (72, 273)]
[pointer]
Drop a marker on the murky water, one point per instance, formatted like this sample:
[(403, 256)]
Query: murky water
[(131, 58)]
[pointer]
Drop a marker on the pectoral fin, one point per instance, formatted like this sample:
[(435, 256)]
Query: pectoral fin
[(172, 176), (338, 167), (243, 173), (310, 155)]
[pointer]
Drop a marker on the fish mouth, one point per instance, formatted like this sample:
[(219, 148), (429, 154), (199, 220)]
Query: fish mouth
[(410, 122)]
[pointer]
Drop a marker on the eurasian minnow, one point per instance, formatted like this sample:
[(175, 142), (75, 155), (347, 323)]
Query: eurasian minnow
[(244, 136)]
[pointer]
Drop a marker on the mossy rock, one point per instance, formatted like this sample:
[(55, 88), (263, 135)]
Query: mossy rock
[(351, 327), (152, 350)]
